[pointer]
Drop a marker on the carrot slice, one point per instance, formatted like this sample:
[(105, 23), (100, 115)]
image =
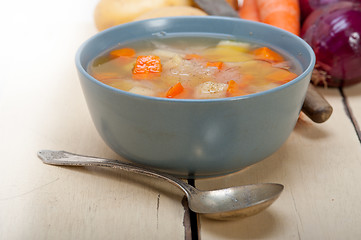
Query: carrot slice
[(123, 52), (281, 76), (234, 89), (175, 90), (264, 53), (249, 10), (218, 65), (147, 67), (284, 14)]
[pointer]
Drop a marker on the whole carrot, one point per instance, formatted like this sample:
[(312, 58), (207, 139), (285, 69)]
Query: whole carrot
[(284, 14), (249, 10)]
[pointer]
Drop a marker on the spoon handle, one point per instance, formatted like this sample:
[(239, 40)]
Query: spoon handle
[(62, 158)]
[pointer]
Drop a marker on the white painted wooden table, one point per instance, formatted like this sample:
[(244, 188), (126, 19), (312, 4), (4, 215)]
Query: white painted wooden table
[(42, 107)]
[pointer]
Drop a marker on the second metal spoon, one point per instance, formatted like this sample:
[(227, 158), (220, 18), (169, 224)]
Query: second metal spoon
[(221, 204)]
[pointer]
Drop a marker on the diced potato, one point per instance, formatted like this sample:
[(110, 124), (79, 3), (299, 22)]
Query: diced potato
[(230, 51), (174, 62), (228, 54), (165, 53), (233, 46), (211, 90), (142, 91), (241, 45)]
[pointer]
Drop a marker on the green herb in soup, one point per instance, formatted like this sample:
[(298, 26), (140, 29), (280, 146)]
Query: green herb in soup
[(193, 68)]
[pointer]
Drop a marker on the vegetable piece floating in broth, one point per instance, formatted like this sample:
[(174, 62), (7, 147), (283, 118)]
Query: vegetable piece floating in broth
[(147, 67), (123, 52), (264, 53), (218, 65), (234, 89), (175, 90), (193, 68)]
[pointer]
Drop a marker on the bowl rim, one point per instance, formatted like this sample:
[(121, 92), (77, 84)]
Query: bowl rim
[(304, 73)]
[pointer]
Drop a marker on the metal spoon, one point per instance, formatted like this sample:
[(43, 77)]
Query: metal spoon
[(221, 204)]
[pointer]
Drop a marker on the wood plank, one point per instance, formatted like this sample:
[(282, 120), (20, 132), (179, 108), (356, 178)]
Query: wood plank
[(42, 107), (320, 167), (353, 96)]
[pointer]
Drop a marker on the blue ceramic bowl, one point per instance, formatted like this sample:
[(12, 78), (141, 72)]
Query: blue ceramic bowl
[(195, 138)]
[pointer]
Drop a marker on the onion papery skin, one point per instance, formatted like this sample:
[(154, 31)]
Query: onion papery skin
[(334, 33)]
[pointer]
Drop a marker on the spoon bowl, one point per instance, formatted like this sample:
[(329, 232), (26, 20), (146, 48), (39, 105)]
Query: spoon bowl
[(221, 204), (233, 202)]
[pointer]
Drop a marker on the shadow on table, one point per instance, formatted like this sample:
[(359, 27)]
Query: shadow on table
[(256, 227), (286, 167)]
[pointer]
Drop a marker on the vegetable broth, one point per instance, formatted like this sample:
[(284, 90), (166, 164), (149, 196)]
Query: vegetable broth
[(193, 68)]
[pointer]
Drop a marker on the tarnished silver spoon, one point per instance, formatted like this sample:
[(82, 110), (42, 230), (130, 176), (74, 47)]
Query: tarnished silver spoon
[(221, 204)]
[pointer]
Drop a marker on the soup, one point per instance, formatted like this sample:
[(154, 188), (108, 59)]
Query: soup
[(193, 68)]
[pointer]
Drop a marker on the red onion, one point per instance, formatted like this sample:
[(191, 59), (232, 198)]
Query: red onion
[(308, 6), (334, 33)]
